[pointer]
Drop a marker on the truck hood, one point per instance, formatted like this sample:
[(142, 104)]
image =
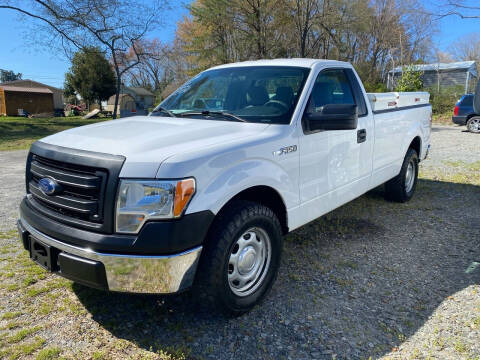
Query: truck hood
[(147, 141)]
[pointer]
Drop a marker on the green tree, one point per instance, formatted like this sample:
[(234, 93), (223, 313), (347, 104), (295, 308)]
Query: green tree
[(9, 75), (411, 80), (91, 76)]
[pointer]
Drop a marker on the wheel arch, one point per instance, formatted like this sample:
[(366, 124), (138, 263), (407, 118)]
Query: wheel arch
[(416, 144), (469, 116), (266, 196)]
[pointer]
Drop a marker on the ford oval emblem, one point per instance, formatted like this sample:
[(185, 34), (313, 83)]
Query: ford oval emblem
[(48, 186)]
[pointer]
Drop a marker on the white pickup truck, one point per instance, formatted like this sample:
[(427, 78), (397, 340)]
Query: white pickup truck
[(203, 189)]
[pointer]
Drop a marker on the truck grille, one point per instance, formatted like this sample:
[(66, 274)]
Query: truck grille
[(88, 182), (83, 188)]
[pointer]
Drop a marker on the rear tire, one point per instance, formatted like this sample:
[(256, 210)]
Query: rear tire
[(402, 186), (473, 124), (241, 257)]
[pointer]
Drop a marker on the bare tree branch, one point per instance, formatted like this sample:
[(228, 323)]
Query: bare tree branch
[(56, 28), (107, 23)]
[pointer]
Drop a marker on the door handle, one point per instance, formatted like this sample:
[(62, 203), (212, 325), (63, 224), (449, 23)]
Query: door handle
[(361, 135)]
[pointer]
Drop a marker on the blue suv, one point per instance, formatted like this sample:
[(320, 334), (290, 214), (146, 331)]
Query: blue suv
[(464, 114)]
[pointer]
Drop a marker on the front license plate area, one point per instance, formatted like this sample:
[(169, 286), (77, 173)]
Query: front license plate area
[(42, 254)]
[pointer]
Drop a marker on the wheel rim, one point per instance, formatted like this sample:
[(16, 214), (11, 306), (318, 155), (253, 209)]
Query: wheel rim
[(410, 176), (474, 125), (249, 261)]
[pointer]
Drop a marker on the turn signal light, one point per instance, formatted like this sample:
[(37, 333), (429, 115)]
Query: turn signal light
[(183, 193)]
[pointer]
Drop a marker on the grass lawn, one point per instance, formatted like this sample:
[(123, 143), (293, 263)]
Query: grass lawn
[(18, 133)]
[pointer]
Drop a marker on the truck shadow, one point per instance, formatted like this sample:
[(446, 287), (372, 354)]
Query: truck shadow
[(355, 283), (449, 128)]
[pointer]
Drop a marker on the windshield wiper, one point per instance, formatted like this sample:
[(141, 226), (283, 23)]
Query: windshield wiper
[(162, 109), (208, 113)]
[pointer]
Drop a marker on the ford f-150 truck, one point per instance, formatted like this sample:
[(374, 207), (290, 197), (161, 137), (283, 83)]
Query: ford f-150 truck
[(202, 190)]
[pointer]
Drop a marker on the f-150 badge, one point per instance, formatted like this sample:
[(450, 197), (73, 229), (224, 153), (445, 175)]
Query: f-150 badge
[(285, 150)]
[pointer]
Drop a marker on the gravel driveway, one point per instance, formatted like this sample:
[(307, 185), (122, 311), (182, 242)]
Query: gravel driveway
[(12, 185), (370, 279)]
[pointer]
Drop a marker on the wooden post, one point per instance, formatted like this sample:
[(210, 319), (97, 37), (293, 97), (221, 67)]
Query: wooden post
[(467, 81)]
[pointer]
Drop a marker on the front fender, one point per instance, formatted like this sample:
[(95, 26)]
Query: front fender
[(243, 175), (224, 170)]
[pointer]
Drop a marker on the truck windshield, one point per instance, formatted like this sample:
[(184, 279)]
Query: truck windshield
[(266, 94)]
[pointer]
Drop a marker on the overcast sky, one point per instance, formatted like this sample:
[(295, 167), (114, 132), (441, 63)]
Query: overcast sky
[(40, 65)]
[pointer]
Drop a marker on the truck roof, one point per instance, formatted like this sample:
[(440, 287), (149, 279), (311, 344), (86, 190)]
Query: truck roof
[(299, 62)]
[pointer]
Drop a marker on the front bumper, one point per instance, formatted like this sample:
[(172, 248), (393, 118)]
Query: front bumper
[(159, 274)]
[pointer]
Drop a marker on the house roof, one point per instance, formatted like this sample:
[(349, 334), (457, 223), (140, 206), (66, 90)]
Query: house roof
[(26, 89), (26, 81), (463, 65), (141, 91)]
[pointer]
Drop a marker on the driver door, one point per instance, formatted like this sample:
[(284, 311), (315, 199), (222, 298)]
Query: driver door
[(335, 165)]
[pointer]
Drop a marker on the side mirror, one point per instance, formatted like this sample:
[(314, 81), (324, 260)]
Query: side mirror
[(333, 117)]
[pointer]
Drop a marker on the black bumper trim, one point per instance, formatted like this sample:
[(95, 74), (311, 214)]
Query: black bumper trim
[(155, 238), (23, 234), (459, 120), (83, 271)]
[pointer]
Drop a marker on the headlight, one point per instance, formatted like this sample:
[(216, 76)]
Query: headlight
[(142, 200)]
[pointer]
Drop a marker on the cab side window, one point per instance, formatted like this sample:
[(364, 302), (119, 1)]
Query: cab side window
[(331, 87)]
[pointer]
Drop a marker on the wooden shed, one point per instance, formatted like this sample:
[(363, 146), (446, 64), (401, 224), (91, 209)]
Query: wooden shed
[(126, 105), (32, 100), (144, 99), (439, 75), (58, 100)]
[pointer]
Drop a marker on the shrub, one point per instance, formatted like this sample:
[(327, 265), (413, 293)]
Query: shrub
[(445, 100), (411, 80), (374, 87)]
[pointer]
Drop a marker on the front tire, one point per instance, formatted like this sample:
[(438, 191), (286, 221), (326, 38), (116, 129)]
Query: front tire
[(241, 257), (473, 124), (402, 186)]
